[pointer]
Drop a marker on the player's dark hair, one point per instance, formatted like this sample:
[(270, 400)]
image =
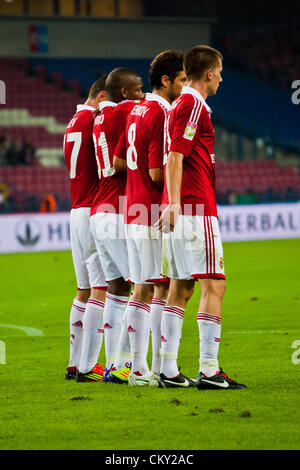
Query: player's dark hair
[(199, 59), (117, 79), (98, 85), (169, 63)]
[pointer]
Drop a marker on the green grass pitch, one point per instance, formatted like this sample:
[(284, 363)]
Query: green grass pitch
[(39, 409)]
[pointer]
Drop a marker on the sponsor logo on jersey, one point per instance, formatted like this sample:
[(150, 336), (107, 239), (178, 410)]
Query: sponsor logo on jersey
[(190, 130), (212, 156), (107, 325), (78, 323)]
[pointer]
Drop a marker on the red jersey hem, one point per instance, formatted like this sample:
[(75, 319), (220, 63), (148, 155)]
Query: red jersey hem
[(209, 275)]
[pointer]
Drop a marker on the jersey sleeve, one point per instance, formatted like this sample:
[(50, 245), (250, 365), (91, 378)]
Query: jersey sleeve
[(156, 140), (120, 150), (186, 125)]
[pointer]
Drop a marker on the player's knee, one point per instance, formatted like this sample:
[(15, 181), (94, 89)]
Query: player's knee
[(119, 287), (161, 290), (213, 287), (180, 294), (83, 295)]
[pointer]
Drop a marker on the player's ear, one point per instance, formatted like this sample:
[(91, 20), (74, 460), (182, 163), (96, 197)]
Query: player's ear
[(124, 91), (101, 96), (164, 81), (209, 74)]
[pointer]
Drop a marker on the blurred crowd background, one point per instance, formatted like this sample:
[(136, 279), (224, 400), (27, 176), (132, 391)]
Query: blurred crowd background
[(51, 52)]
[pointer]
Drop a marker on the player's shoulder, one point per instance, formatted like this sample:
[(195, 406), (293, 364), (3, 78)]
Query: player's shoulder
[(80, 119), (185, 100), (126, 106)]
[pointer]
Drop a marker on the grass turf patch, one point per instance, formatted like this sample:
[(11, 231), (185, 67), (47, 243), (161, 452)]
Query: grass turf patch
[(41, 410)]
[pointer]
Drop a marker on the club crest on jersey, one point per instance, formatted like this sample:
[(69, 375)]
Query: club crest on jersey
[(221, 262), (190, 130)]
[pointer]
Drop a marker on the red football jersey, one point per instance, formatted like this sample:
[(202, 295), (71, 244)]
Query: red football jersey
[(79, 155), (189, 131), (143, 148), (108, 128)]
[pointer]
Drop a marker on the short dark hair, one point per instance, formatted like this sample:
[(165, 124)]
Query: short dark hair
[(168, 63), (118, 78), (199, 59), (98, 85)]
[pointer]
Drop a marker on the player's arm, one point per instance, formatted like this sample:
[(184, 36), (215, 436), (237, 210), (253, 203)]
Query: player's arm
[(119, 160), (119, 164), (169, 217), (157, 176)]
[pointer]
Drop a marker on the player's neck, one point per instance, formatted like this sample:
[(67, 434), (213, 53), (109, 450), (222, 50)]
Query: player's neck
[(92, 103), (163, 93), (200, 86)]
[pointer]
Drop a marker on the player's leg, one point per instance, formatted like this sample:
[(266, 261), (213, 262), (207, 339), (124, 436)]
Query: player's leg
[(212, 285), (89, 369), (117, 347), (157, 306), (78, 218), (138, 324), (109, 236), (209, 323), (179, 293), (76, 324)]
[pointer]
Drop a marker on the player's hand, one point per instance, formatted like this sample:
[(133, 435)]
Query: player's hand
[(168, 219)]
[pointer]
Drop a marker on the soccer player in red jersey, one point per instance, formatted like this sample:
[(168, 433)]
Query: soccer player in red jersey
[(122, 86), (189, 224), (86, 318), (144, 150)]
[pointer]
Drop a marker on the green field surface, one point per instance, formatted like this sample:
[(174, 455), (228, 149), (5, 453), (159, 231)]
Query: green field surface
[(39, 409)]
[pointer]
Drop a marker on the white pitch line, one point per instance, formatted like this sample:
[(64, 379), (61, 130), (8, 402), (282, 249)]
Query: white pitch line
[(257, 332), (29, 331)]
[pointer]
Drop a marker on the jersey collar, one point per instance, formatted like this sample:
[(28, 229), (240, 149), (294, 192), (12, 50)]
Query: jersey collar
[(159, 99), (82, 107), (191, 91), (105, 104)]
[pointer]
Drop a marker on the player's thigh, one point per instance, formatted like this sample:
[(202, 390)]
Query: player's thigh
[(78, 224), (144, 253), (177, 256), (212, 287), (109, 235), (203, 247)]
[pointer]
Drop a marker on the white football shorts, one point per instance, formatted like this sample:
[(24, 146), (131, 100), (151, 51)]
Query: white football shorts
[(109, 234), (88, 269), (144, 253), (194, 250)]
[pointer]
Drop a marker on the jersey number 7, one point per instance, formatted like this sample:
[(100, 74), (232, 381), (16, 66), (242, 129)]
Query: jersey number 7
[(76, 138)]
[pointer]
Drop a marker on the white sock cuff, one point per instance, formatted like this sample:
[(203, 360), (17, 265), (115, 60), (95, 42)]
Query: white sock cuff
[(142, 305), (208, 317), (117, 298), (79, 305), (173, 310), (158, 301), (96, 303)]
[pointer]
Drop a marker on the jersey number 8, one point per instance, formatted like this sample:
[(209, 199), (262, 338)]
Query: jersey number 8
[(131, 151)]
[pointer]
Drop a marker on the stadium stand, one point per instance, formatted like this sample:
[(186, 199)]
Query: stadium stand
[(42, 95)]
